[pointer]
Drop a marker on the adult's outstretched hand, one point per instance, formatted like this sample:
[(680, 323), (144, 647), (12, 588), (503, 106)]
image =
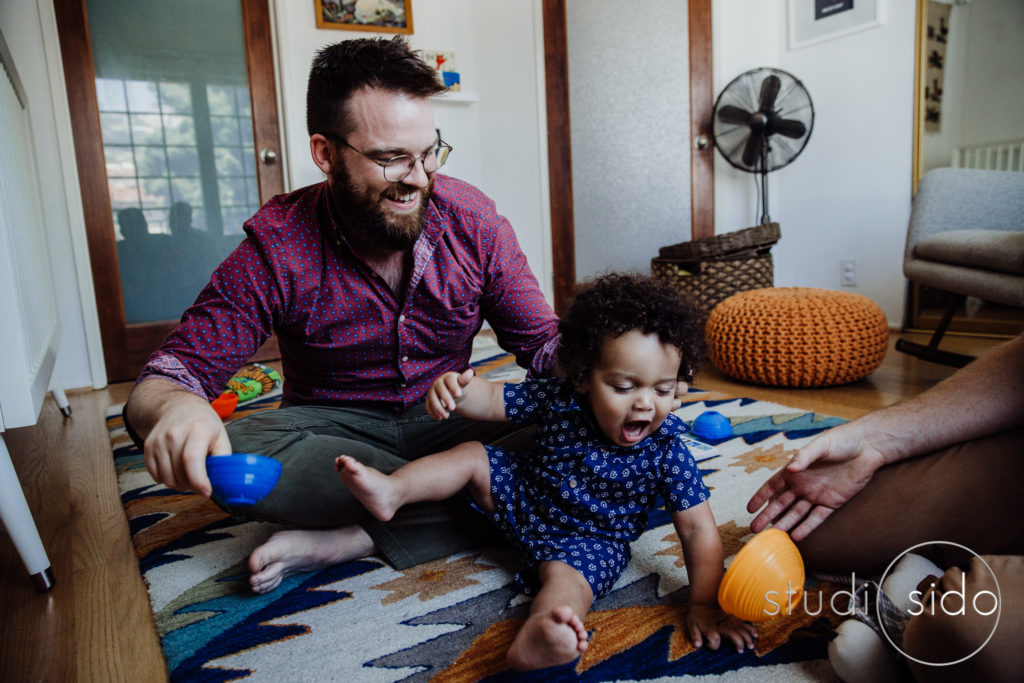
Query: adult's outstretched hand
[(821, 478)]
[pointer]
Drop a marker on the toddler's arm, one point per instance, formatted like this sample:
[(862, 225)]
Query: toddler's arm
[(702, 550), (467, 396)]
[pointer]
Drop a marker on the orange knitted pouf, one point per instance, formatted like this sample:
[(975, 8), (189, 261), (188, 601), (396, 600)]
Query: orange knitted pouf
[(797, 336)]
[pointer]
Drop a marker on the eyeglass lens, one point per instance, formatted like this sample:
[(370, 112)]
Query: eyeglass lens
[(402, 166)]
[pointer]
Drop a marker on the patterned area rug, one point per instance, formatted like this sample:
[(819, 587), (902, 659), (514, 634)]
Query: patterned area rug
[(452, 619)]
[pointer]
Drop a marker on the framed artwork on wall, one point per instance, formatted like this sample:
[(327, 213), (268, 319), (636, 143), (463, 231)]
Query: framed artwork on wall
[(815, 21), (379, 16), (936, 35)]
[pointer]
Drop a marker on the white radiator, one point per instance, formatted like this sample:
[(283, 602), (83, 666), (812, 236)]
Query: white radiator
[(997, 156), (29, 324)]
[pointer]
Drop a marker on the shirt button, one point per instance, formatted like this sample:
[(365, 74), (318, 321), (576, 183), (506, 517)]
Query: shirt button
[(572, 483), (401, 317), (405, 358)]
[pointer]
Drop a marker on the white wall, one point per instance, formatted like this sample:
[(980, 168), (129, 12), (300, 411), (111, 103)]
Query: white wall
[(848, 194), (31, 36)]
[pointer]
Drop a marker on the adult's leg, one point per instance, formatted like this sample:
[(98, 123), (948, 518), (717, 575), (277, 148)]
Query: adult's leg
[(968, 494), (553, 633), (422, 532), (432, 477), (307, 439), (942, 635)]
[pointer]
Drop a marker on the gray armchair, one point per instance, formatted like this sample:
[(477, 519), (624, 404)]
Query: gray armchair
[(966, 237)]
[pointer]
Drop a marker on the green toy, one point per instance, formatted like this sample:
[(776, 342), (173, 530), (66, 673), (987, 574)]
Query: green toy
[(252, 381)]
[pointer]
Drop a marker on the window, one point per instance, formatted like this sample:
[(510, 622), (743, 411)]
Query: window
[(167, 142)]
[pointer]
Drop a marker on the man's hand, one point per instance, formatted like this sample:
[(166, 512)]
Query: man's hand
[(821, 478), (445, 392), (176, 448)]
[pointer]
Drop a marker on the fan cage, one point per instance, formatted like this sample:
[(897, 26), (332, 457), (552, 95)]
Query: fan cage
[(792, 102)]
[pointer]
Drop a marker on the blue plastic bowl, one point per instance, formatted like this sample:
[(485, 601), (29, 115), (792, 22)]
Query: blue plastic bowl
[(711, 424), (242, 478)]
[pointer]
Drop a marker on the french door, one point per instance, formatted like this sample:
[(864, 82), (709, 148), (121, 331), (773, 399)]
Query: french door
[(177, 142), (700, 151)]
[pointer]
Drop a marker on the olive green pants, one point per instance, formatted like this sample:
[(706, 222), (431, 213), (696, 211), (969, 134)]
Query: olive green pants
[(309, 494)]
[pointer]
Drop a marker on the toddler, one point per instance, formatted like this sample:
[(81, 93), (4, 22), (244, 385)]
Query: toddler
[(605, 445)]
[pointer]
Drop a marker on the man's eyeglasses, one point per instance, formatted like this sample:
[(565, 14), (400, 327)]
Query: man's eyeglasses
[(396, 169)]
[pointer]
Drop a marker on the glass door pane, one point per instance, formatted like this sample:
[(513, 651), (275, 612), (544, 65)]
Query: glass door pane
[(173, 95)]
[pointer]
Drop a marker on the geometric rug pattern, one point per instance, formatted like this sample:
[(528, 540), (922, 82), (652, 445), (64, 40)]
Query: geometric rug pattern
[(453, 619)]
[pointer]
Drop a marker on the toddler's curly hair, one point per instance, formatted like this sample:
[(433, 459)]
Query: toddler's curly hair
[(611, 305)]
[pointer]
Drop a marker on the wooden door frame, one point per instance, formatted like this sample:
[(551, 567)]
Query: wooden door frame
[(702, 172), (126, 347)]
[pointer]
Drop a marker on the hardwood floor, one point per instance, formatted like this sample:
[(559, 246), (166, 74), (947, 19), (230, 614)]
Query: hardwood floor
[(96, 623)]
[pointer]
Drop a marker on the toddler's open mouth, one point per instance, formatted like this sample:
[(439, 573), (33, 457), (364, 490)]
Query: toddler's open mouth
[(634, 430)]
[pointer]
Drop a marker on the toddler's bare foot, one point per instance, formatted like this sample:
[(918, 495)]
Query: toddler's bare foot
[(548, 639), (371, 487)]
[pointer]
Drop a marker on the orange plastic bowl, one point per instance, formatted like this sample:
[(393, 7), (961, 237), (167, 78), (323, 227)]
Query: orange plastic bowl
[(225, 404), (765, 579)]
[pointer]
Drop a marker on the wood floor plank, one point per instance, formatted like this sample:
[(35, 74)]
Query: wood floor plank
[(96, 624), (33, 622)]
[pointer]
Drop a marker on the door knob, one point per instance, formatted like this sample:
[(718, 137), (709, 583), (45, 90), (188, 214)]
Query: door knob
[(268, 156)]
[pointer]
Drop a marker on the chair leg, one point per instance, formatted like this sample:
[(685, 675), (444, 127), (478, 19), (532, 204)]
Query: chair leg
[(932, 353), (58, 395), (20, 525)]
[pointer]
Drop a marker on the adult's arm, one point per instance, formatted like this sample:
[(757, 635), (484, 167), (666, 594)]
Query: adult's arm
[(168, 412), (179, 429), (983, 398), (514, 305), (702, 551)]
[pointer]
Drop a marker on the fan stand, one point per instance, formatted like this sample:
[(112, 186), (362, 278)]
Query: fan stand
[(765, 218)]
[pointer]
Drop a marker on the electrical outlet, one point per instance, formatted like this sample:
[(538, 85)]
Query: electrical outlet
[(848, 272)]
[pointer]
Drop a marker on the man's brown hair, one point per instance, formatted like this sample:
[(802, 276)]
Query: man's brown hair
[(340, 69)]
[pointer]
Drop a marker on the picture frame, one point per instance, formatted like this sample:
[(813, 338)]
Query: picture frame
[(815, 21), (379, 16)]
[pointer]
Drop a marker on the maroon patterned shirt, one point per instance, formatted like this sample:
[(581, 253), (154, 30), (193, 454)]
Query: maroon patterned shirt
[(343, 335)]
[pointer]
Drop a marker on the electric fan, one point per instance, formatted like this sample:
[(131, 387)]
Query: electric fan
[(761, 122)]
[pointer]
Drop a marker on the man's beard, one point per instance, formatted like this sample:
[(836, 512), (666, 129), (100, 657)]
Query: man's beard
[(367, 222)]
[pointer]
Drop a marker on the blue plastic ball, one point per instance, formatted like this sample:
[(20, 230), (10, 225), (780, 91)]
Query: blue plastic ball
[(711, 424)]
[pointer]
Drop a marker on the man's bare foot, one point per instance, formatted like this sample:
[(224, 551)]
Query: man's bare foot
[(548, 639), (302, 550), (373, 488)]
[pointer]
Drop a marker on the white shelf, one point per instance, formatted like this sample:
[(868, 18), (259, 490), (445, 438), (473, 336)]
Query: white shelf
[(457, 97)]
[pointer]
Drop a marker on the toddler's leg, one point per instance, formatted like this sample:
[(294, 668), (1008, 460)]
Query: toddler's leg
[(433, 477), (554, 634)]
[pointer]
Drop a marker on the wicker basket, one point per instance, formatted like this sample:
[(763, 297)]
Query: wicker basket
[(714, 268)]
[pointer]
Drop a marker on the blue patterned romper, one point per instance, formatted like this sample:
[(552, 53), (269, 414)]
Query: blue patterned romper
[(576, 497)]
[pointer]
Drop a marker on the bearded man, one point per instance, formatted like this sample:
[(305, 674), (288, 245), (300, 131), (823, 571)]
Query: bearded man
[(375, 282)]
